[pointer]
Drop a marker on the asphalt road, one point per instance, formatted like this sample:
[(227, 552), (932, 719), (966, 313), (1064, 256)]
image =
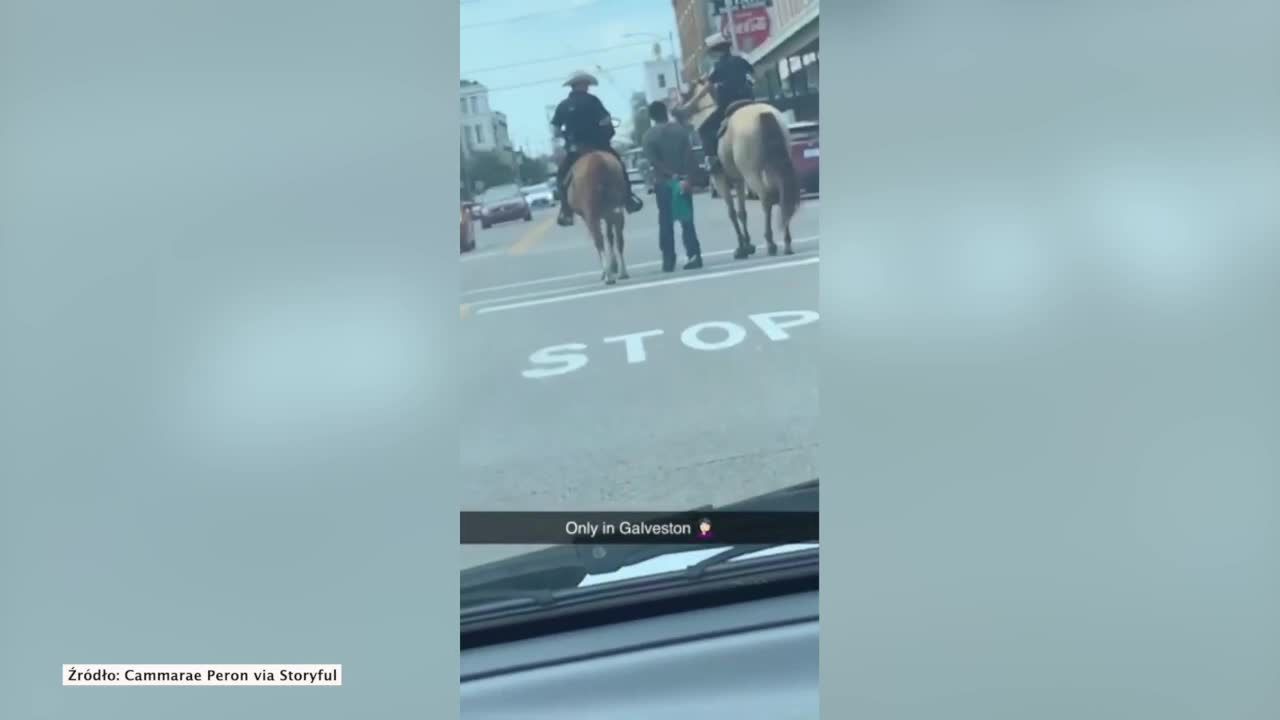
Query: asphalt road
[(671, 418)]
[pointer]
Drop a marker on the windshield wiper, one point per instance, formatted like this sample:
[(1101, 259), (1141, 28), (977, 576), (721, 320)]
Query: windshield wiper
[(536, 576)]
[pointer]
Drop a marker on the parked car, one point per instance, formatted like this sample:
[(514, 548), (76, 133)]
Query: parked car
[(700, 178), (503, 203), (804, 154), (539, 196), (467, 226)]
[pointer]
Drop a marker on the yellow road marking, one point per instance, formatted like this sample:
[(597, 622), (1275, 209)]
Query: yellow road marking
[(531, 238)]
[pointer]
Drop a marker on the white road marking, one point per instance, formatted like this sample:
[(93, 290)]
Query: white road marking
[(774, 330), (734, 334), (592, 273), (481, 255), (635, 344), (644, 286), (541, 293), (571, 357)]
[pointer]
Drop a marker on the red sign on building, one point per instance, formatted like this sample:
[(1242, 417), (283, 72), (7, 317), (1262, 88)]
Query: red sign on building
[(750, 26)]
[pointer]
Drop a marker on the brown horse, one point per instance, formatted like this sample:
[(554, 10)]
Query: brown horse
[(755, 153), (598, 191)]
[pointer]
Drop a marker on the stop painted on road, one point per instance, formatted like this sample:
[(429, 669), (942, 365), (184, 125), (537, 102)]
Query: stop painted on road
[(709, 336)]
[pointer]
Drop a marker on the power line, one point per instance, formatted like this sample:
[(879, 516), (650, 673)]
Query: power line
[(558, 79), (549, 59), (518, 18)]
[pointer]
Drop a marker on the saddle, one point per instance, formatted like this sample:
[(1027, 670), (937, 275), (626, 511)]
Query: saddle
[(729, 110)]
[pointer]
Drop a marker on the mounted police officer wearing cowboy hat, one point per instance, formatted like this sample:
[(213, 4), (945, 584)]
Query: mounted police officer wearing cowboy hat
[(584, 123), (731, 79)]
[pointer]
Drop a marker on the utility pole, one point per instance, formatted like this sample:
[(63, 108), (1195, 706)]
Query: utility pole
[(675, 66), (733, 30)]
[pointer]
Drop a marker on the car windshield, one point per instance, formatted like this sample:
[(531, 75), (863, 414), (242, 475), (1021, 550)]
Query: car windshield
[(502, 192), (667, 372)]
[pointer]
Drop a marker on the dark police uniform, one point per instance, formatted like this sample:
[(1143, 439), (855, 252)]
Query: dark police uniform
[(579, 118), (731, 80)]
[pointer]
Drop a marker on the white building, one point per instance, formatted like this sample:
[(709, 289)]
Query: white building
[(661, 78), (483, 128)]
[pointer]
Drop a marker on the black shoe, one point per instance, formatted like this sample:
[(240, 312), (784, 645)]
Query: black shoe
[(668, 264), (694, 263)]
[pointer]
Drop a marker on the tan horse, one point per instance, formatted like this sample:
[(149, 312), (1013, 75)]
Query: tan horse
[(598, 189), (755, 153)]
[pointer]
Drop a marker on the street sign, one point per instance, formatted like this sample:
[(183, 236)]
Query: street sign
[(750, 28), (718, 6)]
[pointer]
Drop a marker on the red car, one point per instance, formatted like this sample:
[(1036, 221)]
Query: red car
[(804, 153), (503, 203), (804, 156)]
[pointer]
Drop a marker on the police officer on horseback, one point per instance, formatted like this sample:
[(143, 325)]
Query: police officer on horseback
[(584, 123), (731, 79)]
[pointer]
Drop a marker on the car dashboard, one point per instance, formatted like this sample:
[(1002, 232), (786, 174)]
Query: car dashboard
[(755, 659)]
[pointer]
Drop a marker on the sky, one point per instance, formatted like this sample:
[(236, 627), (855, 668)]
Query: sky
[(512, 42)]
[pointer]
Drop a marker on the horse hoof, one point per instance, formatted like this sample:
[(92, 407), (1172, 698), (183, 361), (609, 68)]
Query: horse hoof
[(610, 281), (773, 250), (740, 254), (788, 251), (623, 276), (751, 249)]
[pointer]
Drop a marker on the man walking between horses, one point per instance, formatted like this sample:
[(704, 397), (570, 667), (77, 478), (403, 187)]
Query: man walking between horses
[(670, 155), (731, 79), (584, 123)]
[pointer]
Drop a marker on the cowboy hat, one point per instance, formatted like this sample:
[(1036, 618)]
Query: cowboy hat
[(718, 40), (581, 77)]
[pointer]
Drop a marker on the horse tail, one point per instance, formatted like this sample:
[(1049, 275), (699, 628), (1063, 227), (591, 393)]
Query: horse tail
[(777, 162)]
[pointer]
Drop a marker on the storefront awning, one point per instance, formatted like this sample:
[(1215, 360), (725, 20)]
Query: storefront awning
[(797, 35)]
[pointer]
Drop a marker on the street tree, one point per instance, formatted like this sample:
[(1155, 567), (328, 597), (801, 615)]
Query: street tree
[(533, 169), (489, 168)]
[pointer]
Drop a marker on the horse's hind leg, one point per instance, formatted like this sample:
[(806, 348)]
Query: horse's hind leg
[(725, 188), (768, 225), (786, 238), (745, 247), (597, 237), (619, 223), (726, 191), (611, 241)]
